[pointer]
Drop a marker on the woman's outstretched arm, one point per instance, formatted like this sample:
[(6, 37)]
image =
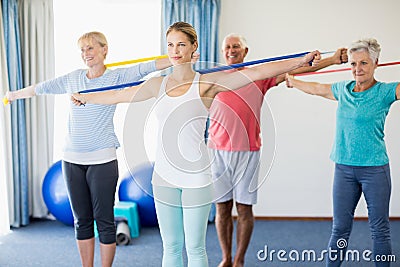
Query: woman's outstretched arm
[(311, 88), (214, 83), (136, 93), (26, 92)]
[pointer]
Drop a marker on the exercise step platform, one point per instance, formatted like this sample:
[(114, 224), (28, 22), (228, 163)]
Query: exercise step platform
[(129, 211)]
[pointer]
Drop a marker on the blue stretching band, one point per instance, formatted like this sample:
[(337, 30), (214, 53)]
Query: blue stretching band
[(222, 68), (248, 63)]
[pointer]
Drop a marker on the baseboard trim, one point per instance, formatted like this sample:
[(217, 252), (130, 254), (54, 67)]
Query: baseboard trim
[(287, 218)]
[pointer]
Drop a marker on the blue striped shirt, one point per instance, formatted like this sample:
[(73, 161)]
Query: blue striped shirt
[(91, 127)]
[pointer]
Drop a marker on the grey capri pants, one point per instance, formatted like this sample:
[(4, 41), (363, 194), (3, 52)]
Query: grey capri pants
[(91, 190)]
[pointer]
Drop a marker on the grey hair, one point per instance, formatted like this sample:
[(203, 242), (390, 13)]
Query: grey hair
[(369, 45), (242, 40)]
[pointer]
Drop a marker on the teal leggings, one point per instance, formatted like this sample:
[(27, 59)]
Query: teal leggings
[(182, 217)]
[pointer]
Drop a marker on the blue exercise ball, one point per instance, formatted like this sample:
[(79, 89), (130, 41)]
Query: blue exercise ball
[(136, 187), (55, 195)]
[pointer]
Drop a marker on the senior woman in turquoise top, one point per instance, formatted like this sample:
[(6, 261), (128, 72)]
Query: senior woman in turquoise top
[(359, 150)]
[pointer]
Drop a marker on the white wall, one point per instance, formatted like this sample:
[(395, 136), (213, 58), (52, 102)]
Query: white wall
[(300, 181)]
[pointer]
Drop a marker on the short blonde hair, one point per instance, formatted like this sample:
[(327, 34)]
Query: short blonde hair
[(369, 45)]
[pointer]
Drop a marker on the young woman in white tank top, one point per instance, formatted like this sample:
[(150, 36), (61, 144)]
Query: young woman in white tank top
[(181, 180)]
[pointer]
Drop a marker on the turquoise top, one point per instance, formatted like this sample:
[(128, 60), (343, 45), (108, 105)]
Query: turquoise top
[(360, 123)]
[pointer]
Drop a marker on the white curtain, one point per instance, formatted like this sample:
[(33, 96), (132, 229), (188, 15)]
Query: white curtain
[(37, 45), (5, 141)]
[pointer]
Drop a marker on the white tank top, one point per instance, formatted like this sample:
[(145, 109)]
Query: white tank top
[(182, 159)]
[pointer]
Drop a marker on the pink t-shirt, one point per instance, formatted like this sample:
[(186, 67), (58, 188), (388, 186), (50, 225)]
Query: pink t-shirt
[(235, 117)]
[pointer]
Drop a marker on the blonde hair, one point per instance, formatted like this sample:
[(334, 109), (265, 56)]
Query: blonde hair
[(369, 45), (97, 36)]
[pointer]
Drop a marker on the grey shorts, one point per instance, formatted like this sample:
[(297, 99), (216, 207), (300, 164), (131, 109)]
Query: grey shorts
[(235, 175)]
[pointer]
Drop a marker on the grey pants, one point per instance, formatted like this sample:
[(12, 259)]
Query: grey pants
[(91, 190)]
